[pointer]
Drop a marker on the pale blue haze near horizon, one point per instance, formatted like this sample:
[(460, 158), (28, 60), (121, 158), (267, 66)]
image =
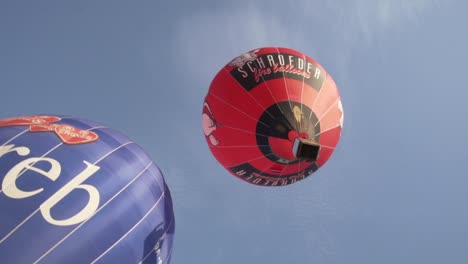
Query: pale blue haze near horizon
[(395, 190)]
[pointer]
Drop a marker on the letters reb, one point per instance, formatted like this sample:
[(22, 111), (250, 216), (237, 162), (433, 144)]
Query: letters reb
[(11, 190)]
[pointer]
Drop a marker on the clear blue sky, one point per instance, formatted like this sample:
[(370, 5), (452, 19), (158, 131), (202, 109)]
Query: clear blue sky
[(395, 190)]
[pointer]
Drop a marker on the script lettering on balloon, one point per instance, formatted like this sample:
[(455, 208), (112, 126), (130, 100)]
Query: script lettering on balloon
[(263, 67)]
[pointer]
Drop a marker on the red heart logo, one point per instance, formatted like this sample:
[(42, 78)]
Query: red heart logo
[(28, 120), (43, 128), (74, 136)]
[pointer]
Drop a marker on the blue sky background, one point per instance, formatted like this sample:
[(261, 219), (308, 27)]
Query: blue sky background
[(395, 190)]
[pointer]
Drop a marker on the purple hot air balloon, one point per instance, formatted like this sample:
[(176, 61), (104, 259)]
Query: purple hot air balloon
[(74, 191)]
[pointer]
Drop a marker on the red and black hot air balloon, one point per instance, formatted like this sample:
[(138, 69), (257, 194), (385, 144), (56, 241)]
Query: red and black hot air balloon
[(272, 116)]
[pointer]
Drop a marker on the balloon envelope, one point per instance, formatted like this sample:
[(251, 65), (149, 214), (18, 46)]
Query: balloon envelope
[(74, 191), (272, 116)]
